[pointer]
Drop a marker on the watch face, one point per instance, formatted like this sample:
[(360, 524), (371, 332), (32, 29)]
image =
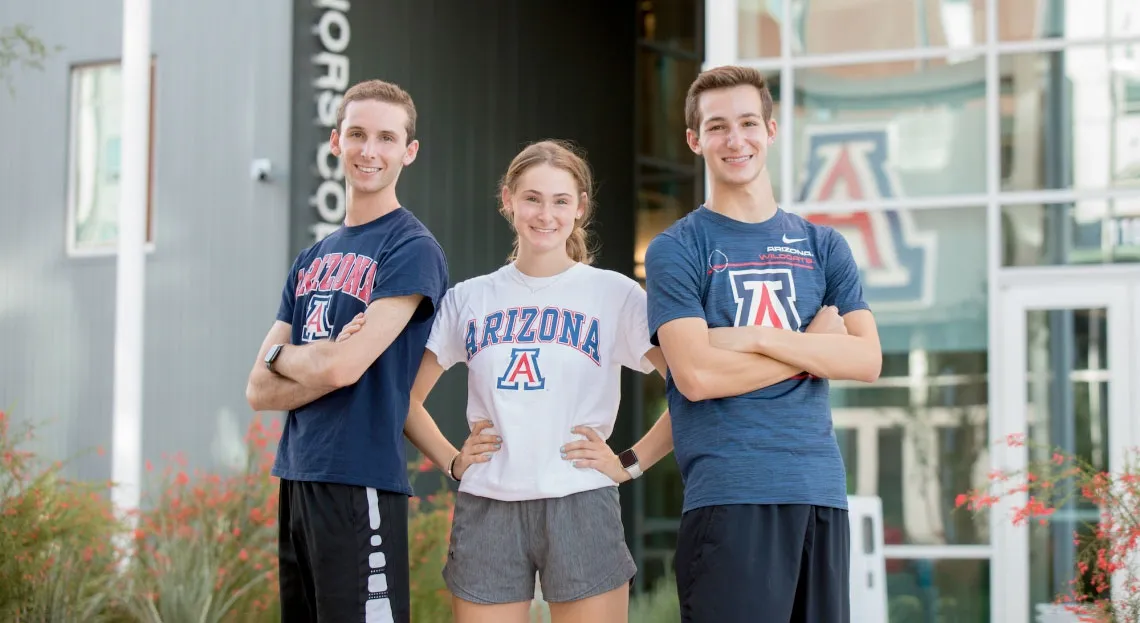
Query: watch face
[(628, 458)]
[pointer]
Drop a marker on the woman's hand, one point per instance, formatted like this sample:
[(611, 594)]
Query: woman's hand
[(478, 448), (594, 453)]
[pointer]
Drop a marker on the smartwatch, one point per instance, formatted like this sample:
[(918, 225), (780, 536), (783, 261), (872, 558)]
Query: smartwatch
[(629, 462), (271, 356)]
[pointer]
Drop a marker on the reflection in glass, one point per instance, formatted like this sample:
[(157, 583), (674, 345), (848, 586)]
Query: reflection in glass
[(1086, 232), (664, 81), (1071, 119), (922, 426), (1067, 354), (848, 441), (927, 450), (659, 498), (889, 130), (1019, 20), (946, 591), (664, 195), (836, 26), (95, 157), (669, 23), (758, 28), (669, 183), (664, 490)]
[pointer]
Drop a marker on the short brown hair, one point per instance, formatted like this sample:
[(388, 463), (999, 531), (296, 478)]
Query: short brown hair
[(724, 77), (379, 91), (561, 155)]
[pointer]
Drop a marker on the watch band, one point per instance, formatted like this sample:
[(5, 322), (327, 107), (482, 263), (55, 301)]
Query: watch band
[(630, 463), (271, 356)]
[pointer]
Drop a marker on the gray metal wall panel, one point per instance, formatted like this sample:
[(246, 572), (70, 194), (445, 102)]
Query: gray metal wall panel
[(221, 98), (488, 77)]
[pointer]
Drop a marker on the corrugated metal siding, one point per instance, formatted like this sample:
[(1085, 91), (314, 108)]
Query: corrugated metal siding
[(220, 238)]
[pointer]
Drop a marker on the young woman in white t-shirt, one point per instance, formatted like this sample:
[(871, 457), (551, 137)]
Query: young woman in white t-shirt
[(544, 339)]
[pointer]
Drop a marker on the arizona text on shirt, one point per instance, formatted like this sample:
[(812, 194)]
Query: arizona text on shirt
[(348, 272), (530, 325)]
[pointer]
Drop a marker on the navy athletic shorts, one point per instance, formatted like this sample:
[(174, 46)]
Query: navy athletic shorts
[(343, 553), (790, 563)]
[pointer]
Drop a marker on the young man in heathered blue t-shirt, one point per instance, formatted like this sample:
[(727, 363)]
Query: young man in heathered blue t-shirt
[(343, 542), (755, 309)]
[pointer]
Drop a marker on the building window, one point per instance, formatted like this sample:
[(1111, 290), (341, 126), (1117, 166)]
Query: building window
[(94, 167), (670, 184)]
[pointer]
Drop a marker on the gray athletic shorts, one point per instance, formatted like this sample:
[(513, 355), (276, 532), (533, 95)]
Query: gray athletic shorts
[(575, 543)]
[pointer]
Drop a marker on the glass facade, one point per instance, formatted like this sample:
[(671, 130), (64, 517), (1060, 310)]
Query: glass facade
[(955, 144), (670, 183)]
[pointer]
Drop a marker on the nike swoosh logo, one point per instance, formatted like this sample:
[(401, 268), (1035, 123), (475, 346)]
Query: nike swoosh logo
[(788, 240)]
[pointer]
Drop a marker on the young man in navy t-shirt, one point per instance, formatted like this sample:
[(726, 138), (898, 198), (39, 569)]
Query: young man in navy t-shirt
[(754, 309), (344, 488)]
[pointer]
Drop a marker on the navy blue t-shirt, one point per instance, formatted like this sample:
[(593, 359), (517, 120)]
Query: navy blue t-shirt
[(775, 445), (355, 435)]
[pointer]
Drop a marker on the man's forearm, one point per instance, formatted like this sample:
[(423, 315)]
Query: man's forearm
[(830, 356), (310, 365), (736, 339), (272, 392), (719, 373)]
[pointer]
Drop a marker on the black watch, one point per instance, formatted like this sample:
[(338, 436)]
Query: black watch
[(271, 356), (630, 463)]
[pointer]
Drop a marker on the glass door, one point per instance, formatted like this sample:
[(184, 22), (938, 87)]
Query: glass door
[(1067, 368)]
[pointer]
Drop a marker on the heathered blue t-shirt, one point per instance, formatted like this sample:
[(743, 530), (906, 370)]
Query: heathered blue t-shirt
[(775, 445), (355, 435)]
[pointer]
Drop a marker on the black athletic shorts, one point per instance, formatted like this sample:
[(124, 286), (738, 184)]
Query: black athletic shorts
[(788, 563), (343, 552)]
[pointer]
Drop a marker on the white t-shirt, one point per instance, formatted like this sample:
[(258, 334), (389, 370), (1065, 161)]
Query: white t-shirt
[(543, 355)]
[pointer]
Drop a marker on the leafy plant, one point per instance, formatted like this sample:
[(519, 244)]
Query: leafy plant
[(429, 533), (19, 46), (1105, 588), (57, 561), (202, 550), (658, 605), (206, 549)]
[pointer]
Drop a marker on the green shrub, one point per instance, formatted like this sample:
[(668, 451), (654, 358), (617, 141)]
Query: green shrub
[(429, 533), (57, 561), (206, 548), (657, 605)]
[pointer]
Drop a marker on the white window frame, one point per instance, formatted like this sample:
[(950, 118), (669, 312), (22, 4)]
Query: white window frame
[(1115, 288), (73, 247)]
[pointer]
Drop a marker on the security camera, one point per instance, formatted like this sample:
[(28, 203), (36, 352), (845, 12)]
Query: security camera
[(260, 169)]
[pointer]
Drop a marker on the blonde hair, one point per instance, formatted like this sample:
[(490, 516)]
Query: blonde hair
[(379, 91), (561, 155), (725, 77)]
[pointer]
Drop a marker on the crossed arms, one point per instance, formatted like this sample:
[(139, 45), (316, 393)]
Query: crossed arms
[(304, 373), (732, 361)]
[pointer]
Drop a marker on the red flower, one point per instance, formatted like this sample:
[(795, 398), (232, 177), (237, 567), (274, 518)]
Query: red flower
[(1015, 440)]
